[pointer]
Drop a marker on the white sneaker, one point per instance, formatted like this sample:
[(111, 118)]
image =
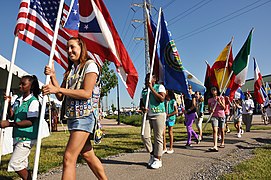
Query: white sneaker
[(156, 163), (219, 137), (238, 135), (170, 151), (164, 151), (242, 131), (151, 160)]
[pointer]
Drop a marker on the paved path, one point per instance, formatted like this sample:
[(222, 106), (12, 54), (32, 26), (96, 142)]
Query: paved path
[(182, 164)]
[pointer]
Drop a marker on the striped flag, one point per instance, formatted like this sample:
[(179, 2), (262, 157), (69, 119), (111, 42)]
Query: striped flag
[(36, 22), (222, 66), (240, 66), (97, 29), (258, 89), (35, 25)]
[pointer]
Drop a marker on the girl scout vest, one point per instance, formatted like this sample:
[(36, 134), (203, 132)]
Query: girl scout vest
[(155, 106), (77, 108), (20, 113)]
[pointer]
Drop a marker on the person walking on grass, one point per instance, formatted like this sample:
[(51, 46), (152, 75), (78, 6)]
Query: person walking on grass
[(190, 115), (79, 86), (25, 113), (156, 117), (172, 111), (216, 106)]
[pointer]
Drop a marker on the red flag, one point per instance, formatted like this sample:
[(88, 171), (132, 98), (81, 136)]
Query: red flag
[(35, 25), (259, 97), (222, 66), (209, 82), (101, 37)]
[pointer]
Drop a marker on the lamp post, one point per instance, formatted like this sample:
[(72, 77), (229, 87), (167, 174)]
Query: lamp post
[(118, 102)]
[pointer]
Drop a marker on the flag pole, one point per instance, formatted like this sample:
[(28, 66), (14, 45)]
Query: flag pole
[(47, 80), (224, 89), (151, 71), (4, 115), (226, 66)]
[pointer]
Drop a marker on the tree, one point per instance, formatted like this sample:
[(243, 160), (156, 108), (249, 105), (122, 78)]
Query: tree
[(113, 108), (109, 79)]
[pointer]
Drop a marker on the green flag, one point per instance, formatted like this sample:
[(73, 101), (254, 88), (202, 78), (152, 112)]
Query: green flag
[(240, 63)]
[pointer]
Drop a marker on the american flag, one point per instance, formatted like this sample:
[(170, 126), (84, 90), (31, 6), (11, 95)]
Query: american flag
[(35, 25), (95, 26)]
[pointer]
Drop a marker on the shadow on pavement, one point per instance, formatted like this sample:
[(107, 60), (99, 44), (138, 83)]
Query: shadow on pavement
[(111, 161), (263, 140)]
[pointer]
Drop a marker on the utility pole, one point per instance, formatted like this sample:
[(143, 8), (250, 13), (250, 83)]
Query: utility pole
[(145, 4), (147, 54)]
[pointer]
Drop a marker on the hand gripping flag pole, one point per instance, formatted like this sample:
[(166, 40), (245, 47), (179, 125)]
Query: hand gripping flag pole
[(151, 71), (38, 146), (8, 92)]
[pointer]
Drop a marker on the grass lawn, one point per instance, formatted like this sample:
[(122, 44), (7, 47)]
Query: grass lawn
[(259, 167), (116, 141)]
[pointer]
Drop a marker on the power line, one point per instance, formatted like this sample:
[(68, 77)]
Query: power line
[(192, 10), (168, 4), (216, 22), (125, 24)]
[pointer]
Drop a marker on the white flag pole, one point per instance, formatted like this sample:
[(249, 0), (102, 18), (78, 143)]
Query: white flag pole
[(8, 92), (47, 80), (151, 71), (224, 89)]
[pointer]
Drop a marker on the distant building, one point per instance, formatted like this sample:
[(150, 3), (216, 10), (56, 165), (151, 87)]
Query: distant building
[(249, 85)]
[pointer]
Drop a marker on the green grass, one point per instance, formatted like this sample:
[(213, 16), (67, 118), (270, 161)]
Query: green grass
[(116, 141), (259, 167)]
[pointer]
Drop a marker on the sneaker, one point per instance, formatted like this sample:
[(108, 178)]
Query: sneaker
[(156, 163), (228, 131), (242, 131), (238, 135), (170, 151), (151, 160), (198, 140), (219, 137), (164, 151), (188, 146)]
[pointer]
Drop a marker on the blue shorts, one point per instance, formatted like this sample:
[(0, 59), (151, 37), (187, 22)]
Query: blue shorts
[(218, 122), (82, 124), (170, 123)]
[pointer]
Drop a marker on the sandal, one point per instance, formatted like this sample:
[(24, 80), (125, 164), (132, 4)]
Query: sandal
[(222, 146), (213, 150)]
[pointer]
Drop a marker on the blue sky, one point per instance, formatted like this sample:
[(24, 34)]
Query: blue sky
[(201, 30)]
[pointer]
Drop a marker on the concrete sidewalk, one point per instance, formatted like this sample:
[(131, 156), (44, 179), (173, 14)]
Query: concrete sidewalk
[(182, 164)]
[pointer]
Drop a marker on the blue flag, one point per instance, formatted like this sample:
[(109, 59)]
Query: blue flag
[(173, 70)]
